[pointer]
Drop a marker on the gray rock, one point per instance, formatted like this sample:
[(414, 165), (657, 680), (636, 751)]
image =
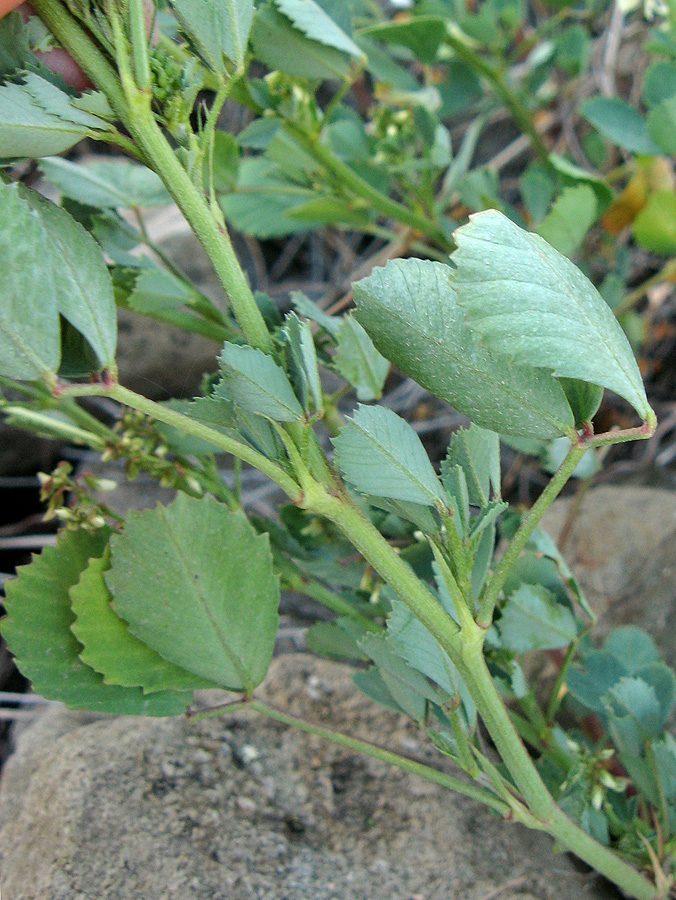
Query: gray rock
[(622, 548), (242, 808)]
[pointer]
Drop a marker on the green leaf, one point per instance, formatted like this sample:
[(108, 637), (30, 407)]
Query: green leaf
[(38, 632), (329, 639), (655, 226), (620, 123), (380, 454), (195, 583), (254, 381), (533, 620), (106, 184), (309, 17), (371, 683), (529, 302), (157, 289), (30, 344), (313, 312), (477, 451), (358, 361), (634, 714), (331, 211), (219, 31), (413, 642), (569, 220), (584, 399), (416, 298), (409, 688), (632, 647), (422, 35), (263, 200), (37, 119), (590, 681), (572, 176), (302, 361), (82, 284), (659, 83), (285, 49), (109, 647), (661, 125)]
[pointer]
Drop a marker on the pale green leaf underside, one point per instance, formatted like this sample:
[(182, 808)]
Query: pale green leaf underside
[(282, 47), (254, 381), (533, 620), (218, 30), (416, 298), (106, 184), (110, 649), (195, 583), (477, 452), (29, 318), (358, 361), (82, 284), (311, 19), (38, 632), (380, 454), (529, 302), (37, 119)]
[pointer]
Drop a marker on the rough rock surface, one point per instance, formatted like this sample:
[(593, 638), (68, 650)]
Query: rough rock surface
[(241, 808), (622, 548)]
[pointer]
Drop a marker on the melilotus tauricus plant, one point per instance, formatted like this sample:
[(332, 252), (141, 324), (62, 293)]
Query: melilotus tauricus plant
[(131, 617)]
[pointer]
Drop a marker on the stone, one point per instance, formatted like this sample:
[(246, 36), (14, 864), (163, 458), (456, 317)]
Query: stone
[(622, 548), (117, 809)]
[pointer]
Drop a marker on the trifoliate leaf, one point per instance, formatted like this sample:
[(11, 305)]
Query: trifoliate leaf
[(106, 184), (38, 632), (416, 298), (380, 454), (110, 648), (533, 620), (255, 382), (37, 119), (195, 583), (477, 451), (529, 302), (219, 31), (358, 361)]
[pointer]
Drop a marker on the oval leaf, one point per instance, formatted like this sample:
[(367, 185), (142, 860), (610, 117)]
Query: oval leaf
[(254, 381), (217, 30), (415, 299), (38, 632), (82, 284), (30, 343), (195, 583), (380, 454), (529, 302), (110, 649)]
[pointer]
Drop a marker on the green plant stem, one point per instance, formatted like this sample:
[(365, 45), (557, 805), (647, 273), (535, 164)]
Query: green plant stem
[(347, 178), (532, 788), (192, 427), (466, 651), (386, 756), (556, 695), (139, 44), (527, 527), (135, 112), (502, 88), (44, 424)]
